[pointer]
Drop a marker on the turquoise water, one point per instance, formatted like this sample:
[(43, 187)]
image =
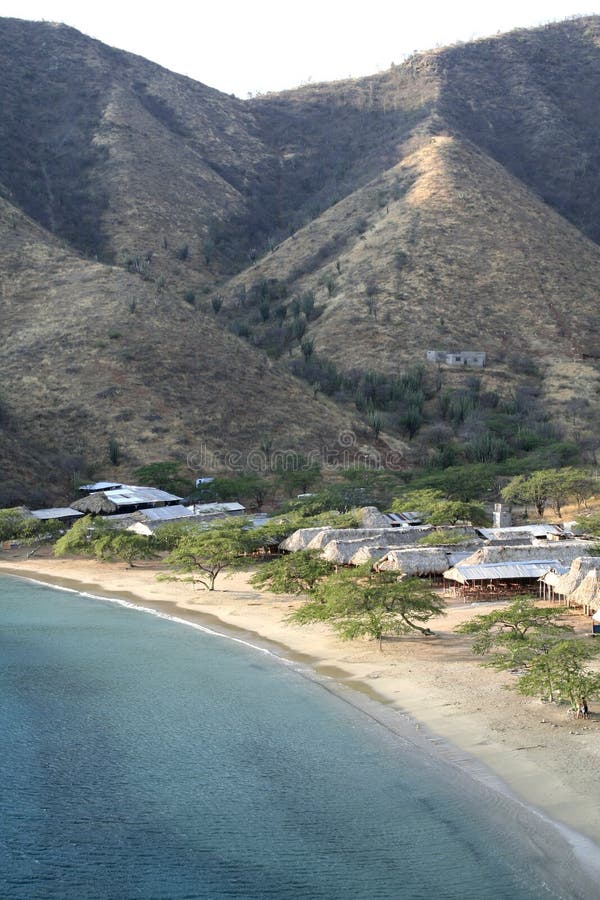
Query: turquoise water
[(141, 758)]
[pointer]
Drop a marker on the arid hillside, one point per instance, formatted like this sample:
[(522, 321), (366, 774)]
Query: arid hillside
[(182, 269)]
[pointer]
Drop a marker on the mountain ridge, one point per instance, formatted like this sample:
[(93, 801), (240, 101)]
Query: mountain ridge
[(163, 240)]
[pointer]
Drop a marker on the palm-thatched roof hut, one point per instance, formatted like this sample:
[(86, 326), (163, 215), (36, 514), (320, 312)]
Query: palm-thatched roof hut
[(301, 538), (387, 537), (96, 504), (354, 552), (587, 593), (371, 517), (421, 561), (563, 552), (570, 581), (367, 553)]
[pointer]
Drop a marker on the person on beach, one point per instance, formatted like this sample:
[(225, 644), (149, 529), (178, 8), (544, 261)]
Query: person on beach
[(582, 709)]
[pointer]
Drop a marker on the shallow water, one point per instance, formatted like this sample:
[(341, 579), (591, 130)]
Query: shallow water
[(141, 758)]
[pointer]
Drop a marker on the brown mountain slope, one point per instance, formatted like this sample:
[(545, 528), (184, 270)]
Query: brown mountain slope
[(447, 203), (467, 257), (92, 354), (530, 99)]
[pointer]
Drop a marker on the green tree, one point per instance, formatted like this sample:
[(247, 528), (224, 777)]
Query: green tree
[(359, 602), (449, 512), (17, 524), (35, 532), (166, 476), (560, 673), (12, 521), (202, 553), (548, 486), (439, 510), (79, 540), (297, 475), (590, 524), (168, 535), (515, 634), (295, 573), (243, 487), (125, 545)]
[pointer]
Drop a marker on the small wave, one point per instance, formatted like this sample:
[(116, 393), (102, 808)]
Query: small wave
[(127, 604)]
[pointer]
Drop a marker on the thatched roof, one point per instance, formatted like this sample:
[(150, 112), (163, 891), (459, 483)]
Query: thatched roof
[(562, 551), (388, 537), (96, 504), (416, 561), (344, 552), (370, 517), (569, 582), (367, 553), (300, 539), (587, 593)]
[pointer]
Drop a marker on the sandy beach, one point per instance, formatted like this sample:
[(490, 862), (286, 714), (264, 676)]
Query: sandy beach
[(547, 758)]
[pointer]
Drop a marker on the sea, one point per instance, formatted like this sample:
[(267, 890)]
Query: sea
[(144, 758)]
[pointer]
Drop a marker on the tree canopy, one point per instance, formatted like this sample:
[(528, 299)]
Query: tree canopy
[(359, 602), (203, 552), (295, 573), (439, 510), (534, 642), (506, 633), (549, 487)]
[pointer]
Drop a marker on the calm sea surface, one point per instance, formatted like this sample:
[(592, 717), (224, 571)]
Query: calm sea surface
[(141, 758)]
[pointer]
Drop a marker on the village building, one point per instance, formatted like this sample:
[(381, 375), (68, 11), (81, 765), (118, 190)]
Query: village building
[(508, 577), (473, 359), (65, 514), (207, 512), (124, 499)]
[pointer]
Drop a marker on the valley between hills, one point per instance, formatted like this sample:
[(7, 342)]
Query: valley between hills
[(185, 275)]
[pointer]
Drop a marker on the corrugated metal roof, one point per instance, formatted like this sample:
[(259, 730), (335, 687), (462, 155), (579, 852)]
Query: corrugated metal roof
[(131, 495), (166, 513), (507, 534), (101, 486), (201, 509), (404, 518), (58, 512), (455, 558), (501, 571)]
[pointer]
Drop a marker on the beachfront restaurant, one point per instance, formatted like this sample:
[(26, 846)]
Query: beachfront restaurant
[(491, 579)]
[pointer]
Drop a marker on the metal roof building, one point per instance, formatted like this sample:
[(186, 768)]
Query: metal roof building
[(214, 510), (506, 571), (133, 495), (520, 531), (404, 519), (57, 512), (165, 513)]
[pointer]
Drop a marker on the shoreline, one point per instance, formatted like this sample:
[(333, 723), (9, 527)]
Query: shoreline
[(523, 750)]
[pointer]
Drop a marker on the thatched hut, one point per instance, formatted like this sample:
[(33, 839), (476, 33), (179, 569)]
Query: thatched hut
[(563, 552), (96, 504), (423, 561), (371, 517), (368, 553), (300, 539), (387, 537), (354, 552), (587, 593), (568, 583)]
